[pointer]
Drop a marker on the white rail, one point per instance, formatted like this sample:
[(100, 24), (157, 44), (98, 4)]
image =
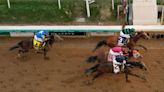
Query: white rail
[(71, 28)]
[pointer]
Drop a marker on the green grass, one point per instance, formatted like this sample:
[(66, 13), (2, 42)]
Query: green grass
[(161, 2), (30, 12), (46, 11)]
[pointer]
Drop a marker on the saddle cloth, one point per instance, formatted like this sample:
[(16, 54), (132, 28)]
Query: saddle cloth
[(38, 45)]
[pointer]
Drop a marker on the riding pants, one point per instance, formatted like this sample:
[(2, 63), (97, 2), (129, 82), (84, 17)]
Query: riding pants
[(38, 39), (112, 57), (123, 39)]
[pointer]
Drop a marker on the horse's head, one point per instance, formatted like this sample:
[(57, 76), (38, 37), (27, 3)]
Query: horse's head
[(51, 39), (137, 35), (143, 35), (57, 37), (136, 53)]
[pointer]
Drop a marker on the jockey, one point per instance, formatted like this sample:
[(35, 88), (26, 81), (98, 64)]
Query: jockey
[(125, 34), (113, 53), (41, 36)]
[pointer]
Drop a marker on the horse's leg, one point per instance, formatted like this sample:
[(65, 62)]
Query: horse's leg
[(97, 75), (45, 53), (100, 44), (141, 77), (19, 53), (92, 69), (141, 46), (138, 64), (126, 76), (91, 59), (126, 71)]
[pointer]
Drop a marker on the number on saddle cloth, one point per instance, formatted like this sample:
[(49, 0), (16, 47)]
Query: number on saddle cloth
[(121, 59), (122, 40), (38, 45)]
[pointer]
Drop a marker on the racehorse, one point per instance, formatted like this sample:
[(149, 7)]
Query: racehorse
[(27, 44), (112, 41), (105, 66)]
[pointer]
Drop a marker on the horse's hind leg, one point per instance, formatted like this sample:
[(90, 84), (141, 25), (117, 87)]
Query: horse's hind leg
[(141, 77), (19, 53), (99, 44), (97, 75), (91, 59), (92, 69)]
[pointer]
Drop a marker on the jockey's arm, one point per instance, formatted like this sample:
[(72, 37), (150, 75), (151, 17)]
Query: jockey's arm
[(44, 38)]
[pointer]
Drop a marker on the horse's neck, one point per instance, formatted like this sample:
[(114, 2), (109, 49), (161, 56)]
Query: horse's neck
[(135, 39), (130, 54)]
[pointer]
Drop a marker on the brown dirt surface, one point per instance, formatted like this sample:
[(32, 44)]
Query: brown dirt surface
[(64, 72)]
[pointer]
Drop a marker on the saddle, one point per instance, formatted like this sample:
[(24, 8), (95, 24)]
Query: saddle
[(38, 45)]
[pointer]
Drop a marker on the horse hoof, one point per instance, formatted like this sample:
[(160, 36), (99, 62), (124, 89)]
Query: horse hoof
[(143, 66), (88, 83), (46, 58), (19, 55), (128, 81)]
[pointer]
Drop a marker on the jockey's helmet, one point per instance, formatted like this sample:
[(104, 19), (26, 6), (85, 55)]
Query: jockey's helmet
[(132, 30), (45, 33)]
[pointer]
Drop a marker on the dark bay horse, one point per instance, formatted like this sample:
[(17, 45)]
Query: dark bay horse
[(111, 41), (107, 67), (27, 44), (103, 66)]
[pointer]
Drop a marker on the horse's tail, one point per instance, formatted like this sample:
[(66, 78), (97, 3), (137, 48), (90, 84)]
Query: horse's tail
[(99, 44), (91, 59), (15, 46)]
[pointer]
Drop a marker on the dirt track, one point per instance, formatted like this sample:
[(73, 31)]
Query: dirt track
[(64, 72)]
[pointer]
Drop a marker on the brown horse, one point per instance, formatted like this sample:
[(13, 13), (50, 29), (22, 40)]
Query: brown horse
[(112, 41), (104, 66), (25, 45)]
